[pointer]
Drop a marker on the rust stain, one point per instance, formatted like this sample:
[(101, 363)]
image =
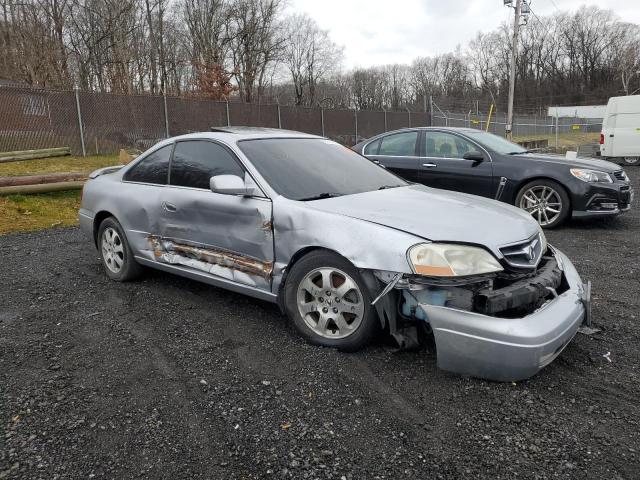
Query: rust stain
[(223, 258), (267, 226)]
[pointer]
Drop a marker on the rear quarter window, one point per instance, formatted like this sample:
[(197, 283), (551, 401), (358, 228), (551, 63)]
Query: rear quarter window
[(154, 168)]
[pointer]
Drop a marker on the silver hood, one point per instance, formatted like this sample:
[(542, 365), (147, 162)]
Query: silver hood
[(437, 215)]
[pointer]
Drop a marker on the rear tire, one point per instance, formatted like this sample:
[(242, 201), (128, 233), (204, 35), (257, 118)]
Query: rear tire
[(116, 255), (328, 303), (547, 202), (631, 161)]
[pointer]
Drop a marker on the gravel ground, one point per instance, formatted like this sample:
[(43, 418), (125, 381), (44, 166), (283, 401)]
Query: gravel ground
[(169, 378)]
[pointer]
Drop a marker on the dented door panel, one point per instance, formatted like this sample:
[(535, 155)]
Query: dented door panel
[(228, 236)]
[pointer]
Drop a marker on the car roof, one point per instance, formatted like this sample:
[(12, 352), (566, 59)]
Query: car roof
[(233, 134), (455, 129)]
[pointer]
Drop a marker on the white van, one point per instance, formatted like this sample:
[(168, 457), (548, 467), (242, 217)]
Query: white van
[(620, 137)]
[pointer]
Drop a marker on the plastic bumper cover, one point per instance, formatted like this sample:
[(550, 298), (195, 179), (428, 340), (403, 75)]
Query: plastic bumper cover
[(505, 349), (85, 219)]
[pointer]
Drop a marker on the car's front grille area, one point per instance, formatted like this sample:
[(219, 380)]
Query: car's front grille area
[(620, 175), (525, 254)]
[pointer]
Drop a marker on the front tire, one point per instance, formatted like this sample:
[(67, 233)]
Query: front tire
[(547, 202), (328, 303), (116, 255), (631, 160)]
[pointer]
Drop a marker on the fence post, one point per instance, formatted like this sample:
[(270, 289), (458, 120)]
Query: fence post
[(385, 119), (355, 111), (557, 121), (228, 117), (77, 92), (166, 116), (279, 119), (431, 110), (322, 120), (409, 112)]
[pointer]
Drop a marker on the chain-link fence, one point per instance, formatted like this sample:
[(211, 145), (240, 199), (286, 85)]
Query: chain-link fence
[(93, 123), (561, 133)]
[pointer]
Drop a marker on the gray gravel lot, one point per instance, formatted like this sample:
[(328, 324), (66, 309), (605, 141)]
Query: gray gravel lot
[(169, 378)]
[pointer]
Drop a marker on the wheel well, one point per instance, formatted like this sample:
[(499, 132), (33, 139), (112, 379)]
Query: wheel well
[(97, 220), (528, 180), (292, 261)]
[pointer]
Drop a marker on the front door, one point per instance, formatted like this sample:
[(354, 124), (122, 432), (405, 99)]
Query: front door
[(228, 236), (443, 165), (397, 152)]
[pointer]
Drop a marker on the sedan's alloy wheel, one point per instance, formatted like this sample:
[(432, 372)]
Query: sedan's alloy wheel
[(112, 250), (330, 303), (543, 203)]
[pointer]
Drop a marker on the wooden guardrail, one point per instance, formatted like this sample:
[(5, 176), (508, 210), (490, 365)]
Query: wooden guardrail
[(534, 143), (34, 154), (41, 188)]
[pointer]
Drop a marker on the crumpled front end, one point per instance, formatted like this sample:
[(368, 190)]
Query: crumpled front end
[(503, 328)]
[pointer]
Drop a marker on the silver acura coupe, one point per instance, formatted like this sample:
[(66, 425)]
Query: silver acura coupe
[(343, 246)]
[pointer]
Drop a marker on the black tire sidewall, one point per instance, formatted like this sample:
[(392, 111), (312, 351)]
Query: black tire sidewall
[(566, 201), (320, 259), (130, 269)]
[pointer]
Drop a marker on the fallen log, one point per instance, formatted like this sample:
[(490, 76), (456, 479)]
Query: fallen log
[(41, 188), (34, 154), (41, 179)]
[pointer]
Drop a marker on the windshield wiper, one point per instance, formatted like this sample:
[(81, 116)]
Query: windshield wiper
[(320, 196), (384, 187)]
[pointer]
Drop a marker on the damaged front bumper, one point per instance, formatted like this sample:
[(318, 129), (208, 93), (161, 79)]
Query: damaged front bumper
[(502, 332), (509, 349)]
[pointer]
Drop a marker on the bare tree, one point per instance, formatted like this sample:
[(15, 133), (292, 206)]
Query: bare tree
[(309, 55), (256, 43)]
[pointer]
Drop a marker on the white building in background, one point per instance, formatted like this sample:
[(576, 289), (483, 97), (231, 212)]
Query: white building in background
[(581, 111)]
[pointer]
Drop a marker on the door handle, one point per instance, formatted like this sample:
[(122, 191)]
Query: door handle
[(611, 136), (169, 207), (429, 165), (377, 162)]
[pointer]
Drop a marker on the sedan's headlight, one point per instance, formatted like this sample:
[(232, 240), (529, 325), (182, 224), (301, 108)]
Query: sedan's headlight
[(451, 260), (543, 240), (591, 176)]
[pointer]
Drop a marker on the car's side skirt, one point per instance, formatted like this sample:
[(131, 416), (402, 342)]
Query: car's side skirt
[(209, 279)]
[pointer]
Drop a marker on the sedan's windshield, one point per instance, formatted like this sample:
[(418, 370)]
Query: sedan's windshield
[(496, 143), (314, 168)]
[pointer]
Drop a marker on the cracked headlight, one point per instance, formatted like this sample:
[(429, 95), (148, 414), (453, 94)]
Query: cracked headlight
[(591, 176), (450, 260)]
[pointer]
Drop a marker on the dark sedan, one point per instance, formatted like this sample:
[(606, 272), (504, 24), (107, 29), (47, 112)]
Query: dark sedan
[(550, 187)]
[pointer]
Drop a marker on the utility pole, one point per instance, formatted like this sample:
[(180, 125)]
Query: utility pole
[(512, 69)]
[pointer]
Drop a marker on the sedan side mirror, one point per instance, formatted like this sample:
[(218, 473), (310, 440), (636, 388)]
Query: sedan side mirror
[(229, 185), (474, 155)]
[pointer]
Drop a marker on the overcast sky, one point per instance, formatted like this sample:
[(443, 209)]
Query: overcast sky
[(375, 32)]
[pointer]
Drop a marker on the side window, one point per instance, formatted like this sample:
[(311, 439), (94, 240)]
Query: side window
[(446, 145), (399, 144), (372, 148), (154, 168), (195, 162)]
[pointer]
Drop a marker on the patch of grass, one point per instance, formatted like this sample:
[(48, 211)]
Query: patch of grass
[(566, 141), (19, 213), (57, 165)]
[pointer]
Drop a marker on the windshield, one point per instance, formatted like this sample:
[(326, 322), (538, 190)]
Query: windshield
[(495, 143), (314, 168)]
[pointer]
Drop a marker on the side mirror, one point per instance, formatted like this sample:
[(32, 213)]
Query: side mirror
[(229, 185), (474, 155)]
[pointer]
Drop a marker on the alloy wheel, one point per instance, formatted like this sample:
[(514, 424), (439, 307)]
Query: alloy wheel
[(330, 302), (543, 203), (631, 160), (112, 250)]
